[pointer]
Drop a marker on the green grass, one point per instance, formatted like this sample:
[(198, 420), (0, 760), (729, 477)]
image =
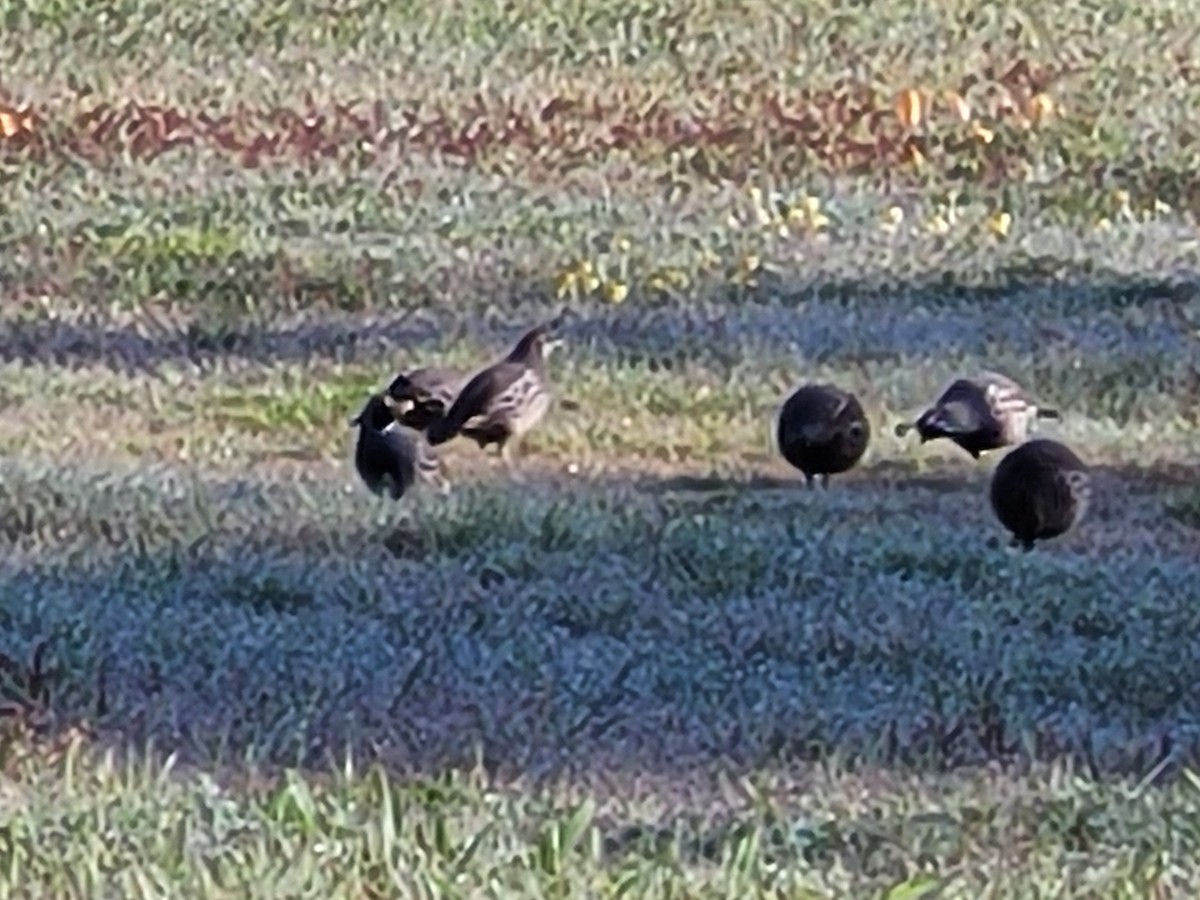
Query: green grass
[(649, 664)]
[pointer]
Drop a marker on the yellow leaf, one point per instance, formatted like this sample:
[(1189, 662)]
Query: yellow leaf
[(10, 124), (1041, 106), (590, 283), (958, 105), (615, 291), (894, 215), (908, 107), (938, 225), (984, 134), (567, 282), (750, 262), (1000, 223), (917, 157), (1104, 224)]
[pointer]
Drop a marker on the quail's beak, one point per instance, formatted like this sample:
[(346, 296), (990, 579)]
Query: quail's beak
[(356, 421)]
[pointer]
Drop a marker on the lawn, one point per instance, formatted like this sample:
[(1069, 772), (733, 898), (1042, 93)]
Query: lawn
[(647, 663)]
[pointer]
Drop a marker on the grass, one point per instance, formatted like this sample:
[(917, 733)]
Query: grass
[(649, 664)]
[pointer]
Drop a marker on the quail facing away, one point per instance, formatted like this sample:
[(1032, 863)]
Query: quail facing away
[(980, 414), (504, 401), (389, 456), (822, 431), (1040, 490), (421, 397)]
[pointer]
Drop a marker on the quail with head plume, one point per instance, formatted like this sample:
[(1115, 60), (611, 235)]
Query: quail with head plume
[(389, 456), (980, 414), (503, 402), (1040, 490), (421, 397), (822, 431)]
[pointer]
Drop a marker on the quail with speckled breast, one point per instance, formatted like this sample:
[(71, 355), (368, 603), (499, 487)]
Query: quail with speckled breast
[(501, 403), (389, 456), (421, 397), (980, 414), (822, 430), (1040, 490)]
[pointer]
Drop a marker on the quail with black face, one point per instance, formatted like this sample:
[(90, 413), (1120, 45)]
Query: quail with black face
[(980, 414), (389, 456)]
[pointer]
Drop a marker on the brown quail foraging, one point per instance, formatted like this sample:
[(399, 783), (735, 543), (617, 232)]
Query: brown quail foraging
[(1040, 490), (822, 431), (389, 456), (979, 414), (421, 397), (501, 403)]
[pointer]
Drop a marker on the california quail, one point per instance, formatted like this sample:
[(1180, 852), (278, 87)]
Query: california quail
[(421, 397), (388, 455), (822, 430), (980, 414), (1039, 491), (504, 401)]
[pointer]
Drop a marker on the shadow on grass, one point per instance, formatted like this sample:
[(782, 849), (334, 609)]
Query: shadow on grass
[(852, 320), (605, 626)]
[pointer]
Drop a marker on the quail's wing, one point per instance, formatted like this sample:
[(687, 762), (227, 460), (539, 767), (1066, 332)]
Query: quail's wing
[(481, 392), (440, 384), (964, 390), (808, 404), (995, 384)]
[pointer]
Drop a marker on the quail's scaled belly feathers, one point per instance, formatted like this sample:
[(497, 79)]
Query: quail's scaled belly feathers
[(1040, 490), (980, 414), (389, 456), (502, 402), (822, 431)]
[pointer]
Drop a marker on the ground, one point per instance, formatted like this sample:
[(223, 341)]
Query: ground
[(648, 662)]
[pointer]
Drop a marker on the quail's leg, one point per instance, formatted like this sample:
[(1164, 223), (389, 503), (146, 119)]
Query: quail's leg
[(441, 483), (825, 482), (506, 455), (810, 481)]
